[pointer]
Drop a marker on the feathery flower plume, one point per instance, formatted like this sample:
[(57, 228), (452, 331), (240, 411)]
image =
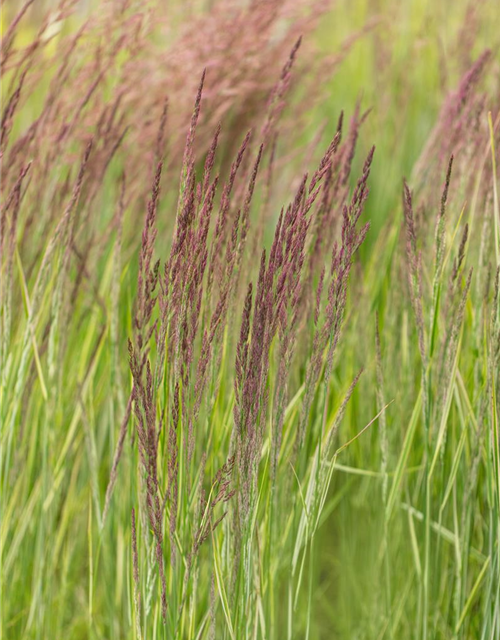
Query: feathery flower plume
[(327, 335)]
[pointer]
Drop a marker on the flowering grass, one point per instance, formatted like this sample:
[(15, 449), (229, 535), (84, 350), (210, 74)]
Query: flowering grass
[(250, 322)]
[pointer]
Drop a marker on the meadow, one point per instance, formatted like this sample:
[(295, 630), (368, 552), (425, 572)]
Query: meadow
[(250, 320)]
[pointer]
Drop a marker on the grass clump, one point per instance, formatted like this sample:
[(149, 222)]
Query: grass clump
[(229, 408)]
